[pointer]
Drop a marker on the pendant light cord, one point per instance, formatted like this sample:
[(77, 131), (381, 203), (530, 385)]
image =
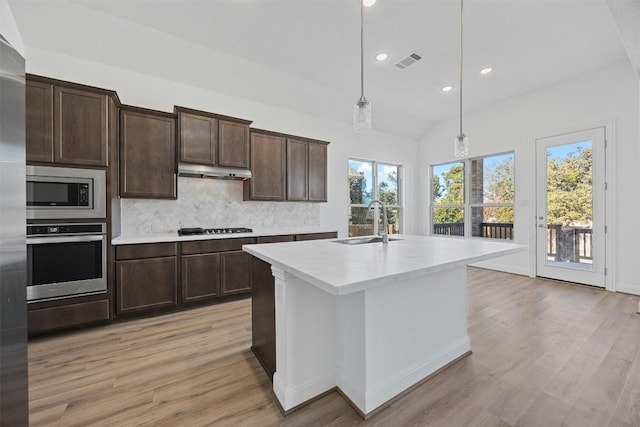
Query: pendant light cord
[(461, 47), (361, 50)]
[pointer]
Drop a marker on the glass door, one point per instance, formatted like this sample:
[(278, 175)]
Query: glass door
[(570, 207)]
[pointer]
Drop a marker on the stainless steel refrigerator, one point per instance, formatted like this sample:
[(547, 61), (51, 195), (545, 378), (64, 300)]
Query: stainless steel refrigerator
[(14, 409)]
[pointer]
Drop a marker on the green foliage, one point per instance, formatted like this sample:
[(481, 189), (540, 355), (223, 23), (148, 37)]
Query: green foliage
[(569, 188), (500, 189), (449, 191), (358, 195), (389, 196)]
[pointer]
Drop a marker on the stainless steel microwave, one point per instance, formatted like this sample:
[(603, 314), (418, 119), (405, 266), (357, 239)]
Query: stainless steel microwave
[(65, 193)]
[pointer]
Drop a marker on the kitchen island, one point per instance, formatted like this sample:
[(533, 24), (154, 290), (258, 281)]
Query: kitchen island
[(369, 319)]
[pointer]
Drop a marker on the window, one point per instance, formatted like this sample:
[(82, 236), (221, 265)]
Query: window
[(447, 196), (370, 180), (487, 209)]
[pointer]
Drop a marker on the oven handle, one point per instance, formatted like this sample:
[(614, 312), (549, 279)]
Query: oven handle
[(69, 239)]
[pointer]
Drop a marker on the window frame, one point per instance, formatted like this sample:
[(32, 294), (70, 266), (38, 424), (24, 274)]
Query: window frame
[(468, 205), (375, 195)]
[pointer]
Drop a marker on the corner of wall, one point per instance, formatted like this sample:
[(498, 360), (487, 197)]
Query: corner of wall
[(9, 29)]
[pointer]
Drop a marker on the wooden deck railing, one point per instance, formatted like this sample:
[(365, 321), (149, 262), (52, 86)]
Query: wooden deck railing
[(573, 244), (493, 230), (449, 228)]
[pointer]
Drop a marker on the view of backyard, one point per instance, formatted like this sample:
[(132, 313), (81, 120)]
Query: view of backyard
[(492, 190), (370, 181)]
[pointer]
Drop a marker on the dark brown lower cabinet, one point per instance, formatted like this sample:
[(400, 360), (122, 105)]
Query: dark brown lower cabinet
[(263, 302), (66, 316), (263, 315), (144, 284), (316, 236), (236, 272), (200, 276), (146, 277)]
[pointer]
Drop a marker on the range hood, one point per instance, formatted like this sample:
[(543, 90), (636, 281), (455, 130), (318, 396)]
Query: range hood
[(202, 171)]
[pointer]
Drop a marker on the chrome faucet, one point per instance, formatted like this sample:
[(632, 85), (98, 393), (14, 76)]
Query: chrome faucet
[(385, 233)]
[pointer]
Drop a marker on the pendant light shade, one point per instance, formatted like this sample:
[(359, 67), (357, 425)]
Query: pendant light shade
[(362, 115), (461, 142), (461, 146), (362, 107)]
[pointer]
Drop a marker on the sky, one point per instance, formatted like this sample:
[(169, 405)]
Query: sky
[(366, 168), (560, 151)]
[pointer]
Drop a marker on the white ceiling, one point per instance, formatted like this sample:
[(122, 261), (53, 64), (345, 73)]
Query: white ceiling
[(529, 43)]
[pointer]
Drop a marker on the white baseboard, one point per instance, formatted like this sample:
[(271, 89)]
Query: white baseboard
[(629, 288), (489, 265), (387, 390), (290, 397)]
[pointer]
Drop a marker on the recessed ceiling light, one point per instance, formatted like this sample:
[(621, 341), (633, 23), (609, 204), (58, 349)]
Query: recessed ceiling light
[(368, 3), (486, 70), (447, 89), (381, 56)]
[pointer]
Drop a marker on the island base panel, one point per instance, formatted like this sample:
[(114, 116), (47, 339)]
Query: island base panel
[(373, 344)]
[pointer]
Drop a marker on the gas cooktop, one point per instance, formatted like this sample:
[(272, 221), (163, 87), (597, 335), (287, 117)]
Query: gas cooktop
[(198, 230)]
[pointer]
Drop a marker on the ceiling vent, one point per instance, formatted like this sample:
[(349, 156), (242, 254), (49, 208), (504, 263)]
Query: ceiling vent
[(409, 60)]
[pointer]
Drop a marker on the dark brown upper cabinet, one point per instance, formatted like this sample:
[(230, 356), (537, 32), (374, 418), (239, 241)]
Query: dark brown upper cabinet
[(147, 154), (268, 167), (286, 167), (66, 123), (39, 121), (297, 170), (211, 139), (317, 166), (306, 170)]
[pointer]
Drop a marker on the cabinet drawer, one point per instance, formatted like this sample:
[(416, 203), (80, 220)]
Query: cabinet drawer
[(145, 250), (49, 319), (222, 245), (275, 239), (316, 236)]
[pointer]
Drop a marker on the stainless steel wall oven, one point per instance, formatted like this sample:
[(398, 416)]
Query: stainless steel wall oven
[(65, 260)]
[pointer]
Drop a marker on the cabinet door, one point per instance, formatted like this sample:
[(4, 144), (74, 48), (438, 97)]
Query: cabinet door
[(200, 276), (236, 272), (81, 127), (143, 284), (263, 315), (268, 168), (39, 120), (147, 155), (233, 149), (198, 139), (297, 170), (317, 164)]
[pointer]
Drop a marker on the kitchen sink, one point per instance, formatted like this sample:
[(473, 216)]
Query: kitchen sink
[(363, 240)]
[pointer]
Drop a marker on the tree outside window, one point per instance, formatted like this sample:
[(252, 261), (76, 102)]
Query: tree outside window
[(370, 180), (489, 205), (447, 198)]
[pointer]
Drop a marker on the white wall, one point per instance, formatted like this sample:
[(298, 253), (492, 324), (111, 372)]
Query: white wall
[(152, 92), (8, 27), (607, 95)]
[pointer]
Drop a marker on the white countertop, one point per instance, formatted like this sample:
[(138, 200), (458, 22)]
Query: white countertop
[(342, 269), (132, 239)]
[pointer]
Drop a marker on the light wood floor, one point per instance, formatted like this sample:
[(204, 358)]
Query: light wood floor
[(544, 354)]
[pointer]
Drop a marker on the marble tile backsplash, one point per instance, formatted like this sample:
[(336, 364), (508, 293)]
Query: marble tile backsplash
[(212, 203)]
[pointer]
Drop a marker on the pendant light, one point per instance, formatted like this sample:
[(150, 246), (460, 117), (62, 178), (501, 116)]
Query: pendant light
[(362, 107), (461, 142)]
